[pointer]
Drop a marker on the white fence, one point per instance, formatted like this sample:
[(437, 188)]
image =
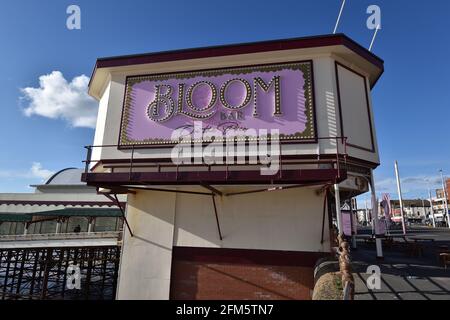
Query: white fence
[(61, 239)]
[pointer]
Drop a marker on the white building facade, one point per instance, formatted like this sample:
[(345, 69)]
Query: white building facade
[(222, 230)]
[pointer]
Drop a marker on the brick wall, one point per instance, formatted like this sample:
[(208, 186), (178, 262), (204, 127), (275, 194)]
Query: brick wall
[(210, 273)]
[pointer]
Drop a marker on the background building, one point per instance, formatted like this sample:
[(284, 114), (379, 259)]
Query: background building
[(59, 205), (415, 209), (63, 223), (439, 203)]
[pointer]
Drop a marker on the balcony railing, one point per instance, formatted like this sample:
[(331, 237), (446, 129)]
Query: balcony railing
[(133, 163), (62, 236)]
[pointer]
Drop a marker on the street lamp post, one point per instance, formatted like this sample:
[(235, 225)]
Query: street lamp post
[(378, 243), (431, 208), (445, 199), (399, 190), (423, 209), (431, 203)]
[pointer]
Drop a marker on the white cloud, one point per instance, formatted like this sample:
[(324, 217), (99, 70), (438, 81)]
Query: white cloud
[(56, 98), (35, 172), (412, 186), (38, 172)]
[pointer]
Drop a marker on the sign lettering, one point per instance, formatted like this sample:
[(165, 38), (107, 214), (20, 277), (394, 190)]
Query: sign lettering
[(278, 96)]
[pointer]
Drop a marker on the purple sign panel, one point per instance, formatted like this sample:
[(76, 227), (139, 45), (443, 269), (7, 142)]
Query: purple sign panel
[(277, 96)]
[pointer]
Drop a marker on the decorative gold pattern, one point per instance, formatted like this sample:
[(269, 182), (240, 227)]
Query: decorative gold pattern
[(305, 67)]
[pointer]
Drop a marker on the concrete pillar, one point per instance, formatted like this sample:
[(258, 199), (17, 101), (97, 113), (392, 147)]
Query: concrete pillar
[(25, 230)]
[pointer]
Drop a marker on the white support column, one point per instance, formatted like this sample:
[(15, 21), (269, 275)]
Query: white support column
[(431, 208), (400, 197), (90, 225), (25, 230), (444, 191), (423, 209), (375, 220), (58, 226), (338, 208)]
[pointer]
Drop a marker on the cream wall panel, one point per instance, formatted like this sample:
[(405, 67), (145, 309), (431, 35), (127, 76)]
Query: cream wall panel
[(102, 121), (354, 108), (282, 220), (146, 258)]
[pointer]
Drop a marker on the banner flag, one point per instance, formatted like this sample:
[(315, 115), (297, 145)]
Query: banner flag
[(386, 204)]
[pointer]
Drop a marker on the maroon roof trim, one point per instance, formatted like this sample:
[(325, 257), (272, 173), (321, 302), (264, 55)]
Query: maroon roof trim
[(242, 48), (59, 203), (214, 177)]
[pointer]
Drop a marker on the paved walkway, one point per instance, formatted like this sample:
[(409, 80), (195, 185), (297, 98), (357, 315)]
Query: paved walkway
[(403, 277)]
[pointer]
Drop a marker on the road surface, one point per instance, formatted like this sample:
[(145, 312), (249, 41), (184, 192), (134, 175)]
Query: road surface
[(404, 277)]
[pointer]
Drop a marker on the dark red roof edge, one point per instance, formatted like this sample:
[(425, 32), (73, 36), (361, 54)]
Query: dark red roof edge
[(56, 203), (242, 48)]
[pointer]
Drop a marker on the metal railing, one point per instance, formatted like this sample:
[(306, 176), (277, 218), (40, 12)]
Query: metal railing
[(62, 236), (42, 273), (159, 163)]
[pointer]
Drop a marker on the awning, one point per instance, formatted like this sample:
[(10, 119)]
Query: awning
[(80, 212), (67, 212), (15, 217)]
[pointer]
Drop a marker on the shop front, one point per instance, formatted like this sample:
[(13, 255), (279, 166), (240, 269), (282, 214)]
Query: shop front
[(235, 161)]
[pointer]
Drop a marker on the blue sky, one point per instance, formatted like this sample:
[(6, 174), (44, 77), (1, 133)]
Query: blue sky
[(411, 100)]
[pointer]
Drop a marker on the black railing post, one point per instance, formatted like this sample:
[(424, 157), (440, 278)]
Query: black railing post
[(131, 161), (217, 217), (47, 266), (345, 149), (88, 158), (337, 158)]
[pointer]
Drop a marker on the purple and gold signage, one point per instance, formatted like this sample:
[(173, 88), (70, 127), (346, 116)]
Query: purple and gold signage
[(278, 96)]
